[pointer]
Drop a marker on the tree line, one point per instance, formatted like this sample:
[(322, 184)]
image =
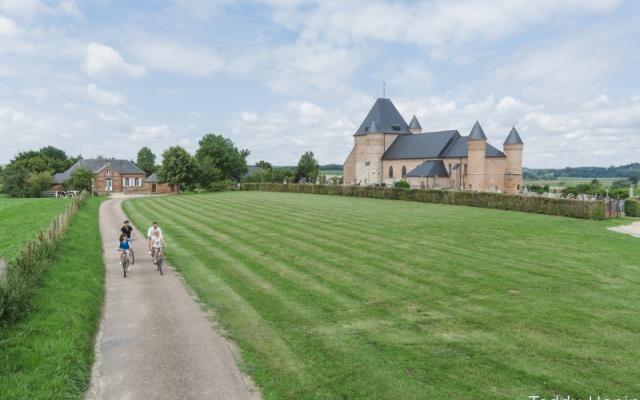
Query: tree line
[(623, 171), (216, 164)]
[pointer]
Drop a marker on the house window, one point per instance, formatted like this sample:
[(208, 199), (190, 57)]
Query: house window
[(465, 169), (518, 187), (136, 182), (390, 171), (396, 127), (126, 181), (449, 169), (404, 171)]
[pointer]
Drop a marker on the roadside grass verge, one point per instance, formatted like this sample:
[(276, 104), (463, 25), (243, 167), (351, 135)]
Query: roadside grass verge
[(49, 352), (332, 297)]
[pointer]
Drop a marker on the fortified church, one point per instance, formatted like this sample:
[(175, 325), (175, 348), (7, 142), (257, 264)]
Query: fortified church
[(387, 150)]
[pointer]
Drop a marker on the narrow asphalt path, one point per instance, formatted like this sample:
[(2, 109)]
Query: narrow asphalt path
[(154, 340)]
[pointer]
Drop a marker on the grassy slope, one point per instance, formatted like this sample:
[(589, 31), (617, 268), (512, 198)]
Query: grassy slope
[(22, 219), (336, 297), (48, 355)]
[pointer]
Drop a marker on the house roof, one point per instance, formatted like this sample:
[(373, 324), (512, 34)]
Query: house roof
[(513, 137), (445, 144), (153, 178), (95, 165), (477, 133), (429, 168), (386, 117)]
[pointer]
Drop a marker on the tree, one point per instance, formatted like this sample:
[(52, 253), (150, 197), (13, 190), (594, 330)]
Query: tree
[(81, 179), (264, 165), (14, 179), (146, 160), (177, 167), (218, 159), (307, 167), (38, 182)]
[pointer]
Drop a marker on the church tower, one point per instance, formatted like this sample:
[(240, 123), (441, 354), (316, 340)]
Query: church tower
[(513, 147), (379, 129), (476, 148)]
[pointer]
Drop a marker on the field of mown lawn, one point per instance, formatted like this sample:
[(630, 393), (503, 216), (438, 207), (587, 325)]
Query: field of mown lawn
[(21, 219), (334, 297), (49, 352)]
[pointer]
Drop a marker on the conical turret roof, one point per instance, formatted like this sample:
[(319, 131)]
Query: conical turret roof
[(477, 133), (414, 124), (513, 137)]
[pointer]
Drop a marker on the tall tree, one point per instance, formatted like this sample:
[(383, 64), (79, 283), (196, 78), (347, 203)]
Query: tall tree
[(217, 159), (81, 179), (177, 167), (307, 167), (146, 160)]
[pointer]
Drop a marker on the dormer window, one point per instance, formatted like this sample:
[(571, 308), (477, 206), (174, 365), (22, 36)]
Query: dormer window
[(366, 129), (396, 128)]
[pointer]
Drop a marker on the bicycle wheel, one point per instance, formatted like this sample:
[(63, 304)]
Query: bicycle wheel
[(124, 267), (133, 256), (160, 260)]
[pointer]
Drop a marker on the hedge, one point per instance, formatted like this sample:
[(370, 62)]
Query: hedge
[(23, 273), (539, 205), (632, 208)]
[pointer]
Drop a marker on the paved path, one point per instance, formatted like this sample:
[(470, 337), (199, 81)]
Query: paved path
[(154, 340), (631, 229)]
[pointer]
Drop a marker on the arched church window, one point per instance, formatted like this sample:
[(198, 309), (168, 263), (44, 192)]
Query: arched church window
[(404, 171), (390, 171)]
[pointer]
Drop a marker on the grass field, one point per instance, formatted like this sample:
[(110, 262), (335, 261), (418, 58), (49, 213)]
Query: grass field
[(49, 353), (333, 297), (22, 219)]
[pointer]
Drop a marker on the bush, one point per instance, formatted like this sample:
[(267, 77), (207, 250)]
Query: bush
[(402, 184), (539, 205), (632, 208)]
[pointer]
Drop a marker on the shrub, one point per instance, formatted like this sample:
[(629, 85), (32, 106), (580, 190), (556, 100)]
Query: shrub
[(402, 184), (539, 205), (632, 208)]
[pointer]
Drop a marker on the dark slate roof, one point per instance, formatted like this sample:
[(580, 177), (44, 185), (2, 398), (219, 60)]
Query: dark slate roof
[(458, 149), (420, 145), (387, 119), (477, 132), (95, 165), (153, 178), (513, 137), (429, 168), (446, 144), (414, 124)]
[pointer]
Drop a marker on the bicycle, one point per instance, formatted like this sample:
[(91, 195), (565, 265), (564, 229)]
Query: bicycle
[(124, 261), (131, 253), (158, 258)]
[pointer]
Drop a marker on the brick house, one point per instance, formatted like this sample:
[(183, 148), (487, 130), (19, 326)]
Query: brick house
[(114, 176)]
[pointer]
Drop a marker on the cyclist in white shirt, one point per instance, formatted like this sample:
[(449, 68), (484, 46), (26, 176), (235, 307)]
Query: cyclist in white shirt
[(150, 231)]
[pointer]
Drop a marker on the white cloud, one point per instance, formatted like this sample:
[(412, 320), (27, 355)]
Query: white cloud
[(435, 23), (8, 27), (172, 56), (31, 9), (104, 61), (146, 133), (103, 97)]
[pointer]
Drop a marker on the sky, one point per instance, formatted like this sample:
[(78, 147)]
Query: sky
[(281, 77)]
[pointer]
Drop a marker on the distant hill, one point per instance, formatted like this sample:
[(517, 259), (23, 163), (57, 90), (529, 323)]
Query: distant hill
[(622, 171)]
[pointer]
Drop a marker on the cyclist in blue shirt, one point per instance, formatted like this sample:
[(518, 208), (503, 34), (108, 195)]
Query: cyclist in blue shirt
[(124, 244)]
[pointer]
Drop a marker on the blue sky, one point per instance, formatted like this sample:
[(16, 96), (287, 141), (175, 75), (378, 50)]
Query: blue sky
[(280, 77)]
